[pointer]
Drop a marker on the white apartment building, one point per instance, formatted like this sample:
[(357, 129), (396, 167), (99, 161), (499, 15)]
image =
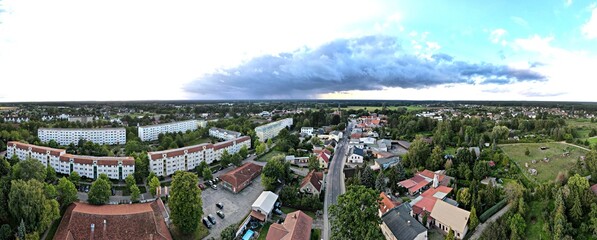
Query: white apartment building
[(151, 132), (87, 166), (223, 133), (270, 130), (165, 163), (307, 131), (66, 136)]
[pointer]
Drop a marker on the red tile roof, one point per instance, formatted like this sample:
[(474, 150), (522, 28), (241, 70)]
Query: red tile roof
[(426, 204), (325, 157), (418, 186), (594, 188), (81, 159), (130, 221), (196, 148), (315, 178), (38, 149), (408, 183), (385, 204), (239, 177), (296, 226), (258, 215), (432, 191)]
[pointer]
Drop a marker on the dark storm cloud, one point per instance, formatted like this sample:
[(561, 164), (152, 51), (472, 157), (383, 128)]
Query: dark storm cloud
[(366, 63)]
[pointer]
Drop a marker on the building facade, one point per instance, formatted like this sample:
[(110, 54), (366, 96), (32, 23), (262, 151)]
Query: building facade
[(223, 133), (151, 132), (307, 131), (165, 163), (271, 130), (64, 163), (66, 136)]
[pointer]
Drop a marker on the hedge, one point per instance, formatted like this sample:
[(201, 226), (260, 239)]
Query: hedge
[(491, 211)]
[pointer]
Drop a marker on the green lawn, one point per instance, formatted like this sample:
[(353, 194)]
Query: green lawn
[(200, 233), (288, 210), (434, 234), (316, 235), (581, 123), (535, 220), (545, 171), (264, 230), (269, 155)]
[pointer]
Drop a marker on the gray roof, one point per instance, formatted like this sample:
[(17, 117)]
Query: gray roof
[(451, 202), (382, 161), (402, 224), (357, 151)]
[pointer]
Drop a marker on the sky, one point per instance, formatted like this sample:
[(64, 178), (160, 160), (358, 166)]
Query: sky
[(274, 49)]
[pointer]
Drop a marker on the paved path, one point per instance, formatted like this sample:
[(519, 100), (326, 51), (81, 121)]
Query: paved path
[(479, 230), (335, 181), (574, 145)]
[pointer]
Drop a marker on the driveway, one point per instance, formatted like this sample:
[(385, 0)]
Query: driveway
[(236, 206), (479, 230)]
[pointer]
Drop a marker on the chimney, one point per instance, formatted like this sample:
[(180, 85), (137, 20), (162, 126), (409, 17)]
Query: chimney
[(105, 224), (435, 181), (92, 231), (294, 216)]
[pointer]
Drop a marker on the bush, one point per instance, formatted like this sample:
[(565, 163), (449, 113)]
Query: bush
[(491, 211)]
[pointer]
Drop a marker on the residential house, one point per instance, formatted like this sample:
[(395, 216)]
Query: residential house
[(448, 217), (307, 131), (386, 203), (422, 180), (356, 155), (296, 226), (324, 159), (298, 161), (397, 224), (312, 183), (262, 208), (337, 135)]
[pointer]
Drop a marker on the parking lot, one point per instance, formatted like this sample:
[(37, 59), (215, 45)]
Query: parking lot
[(236, 206)]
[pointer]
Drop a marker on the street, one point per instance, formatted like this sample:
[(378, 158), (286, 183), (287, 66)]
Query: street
[(335, 181)]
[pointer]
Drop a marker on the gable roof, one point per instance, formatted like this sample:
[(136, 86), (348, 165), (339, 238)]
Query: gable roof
[(402, 224), (325, 157), (265, 201), (425, 204), (315, 178), (454, 217), (357, 151), (385, 204), (127, 221), (440, 192), (241, 174), (382, 161), (296, 226)]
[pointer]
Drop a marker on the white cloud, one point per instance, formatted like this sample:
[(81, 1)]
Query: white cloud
[(121, 50), (568, 2), (589, 29), (496, 36)]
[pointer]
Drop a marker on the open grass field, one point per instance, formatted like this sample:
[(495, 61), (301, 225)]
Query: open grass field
[(269, 155), (545, 171), (581, 123), (373, 108)]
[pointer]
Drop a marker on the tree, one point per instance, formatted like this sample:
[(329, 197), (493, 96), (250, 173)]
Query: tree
[(236, 159), (450, 235), (527, 152), (21, 230), (154, 184), (380, 182), (517, 226), (135, 193), (32, 236), (437, 159), (473, 220), (313, 163), (464, 196), (100, 191), (593, 219), (207, 174), (368, 178), (275, 170), (29, 169), (229, 233), (418, 153), (396, 175), (359, 203), (130, 181), (199, 168), (67, 192), (513, 191), (260, 148), (225, 159), (141, 166), (6, 232), (244, 152), (5, 168), (75, 178), (185, 202), (50, 174), (481, 170), (28, 201), (269, 143)]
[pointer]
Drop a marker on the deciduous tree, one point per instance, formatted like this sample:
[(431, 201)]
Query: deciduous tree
[(29, 169), (100, 191), (359, 203), (75, 178), (135, 192), (27, 201), (474, 221), (244, 152), (185, 202), (50, 174), (368, 178), (154, 184), (67, 192), (207, 174)]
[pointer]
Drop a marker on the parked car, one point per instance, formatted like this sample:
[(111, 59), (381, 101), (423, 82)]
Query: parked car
[(214, 187), (220, 205), (277, 211), (208, 183), (202, 186), (206, 222), (86, 188), (218, 179), (220, 214), (277, 204), (211, 218)]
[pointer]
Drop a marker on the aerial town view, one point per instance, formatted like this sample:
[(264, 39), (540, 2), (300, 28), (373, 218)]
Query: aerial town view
[(298, 120)]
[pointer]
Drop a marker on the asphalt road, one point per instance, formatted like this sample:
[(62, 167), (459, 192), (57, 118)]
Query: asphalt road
[(335, 181)]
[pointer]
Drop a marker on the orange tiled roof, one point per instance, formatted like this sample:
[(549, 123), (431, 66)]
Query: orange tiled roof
[(315, 178), (296, 226), (386, 204)]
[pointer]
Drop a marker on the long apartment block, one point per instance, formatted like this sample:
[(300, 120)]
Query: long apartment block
[(223, 133), (271, 130), (151, 132), (165, 163), (64, 163), (66, 136)]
